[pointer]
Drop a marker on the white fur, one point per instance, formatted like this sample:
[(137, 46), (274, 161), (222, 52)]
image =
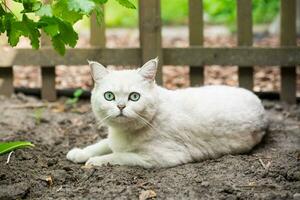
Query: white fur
[(178, 127)]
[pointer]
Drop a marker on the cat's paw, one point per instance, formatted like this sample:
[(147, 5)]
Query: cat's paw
[(96, 161), (77, 155)]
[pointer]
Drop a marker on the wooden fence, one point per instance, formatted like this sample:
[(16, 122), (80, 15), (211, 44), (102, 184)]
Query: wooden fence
[(287, 56)]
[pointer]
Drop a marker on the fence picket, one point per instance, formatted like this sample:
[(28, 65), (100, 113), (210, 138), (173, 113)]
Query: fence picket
[(97, 34), (288, 38), (6, 81), (196, 38), (48, 91), (245, 56), (150, 33), (244, 34)]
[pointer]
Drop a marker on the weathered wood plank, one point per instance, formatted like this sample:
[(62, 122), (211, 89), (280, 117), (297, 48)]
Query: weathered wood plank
[(244, 36), (6, 81), (48, 83), (242, 56), (97, 34), (48, 79), (150, 33), (79, 56), (47, 74), (196, 38), (196, 56), (288, 38)]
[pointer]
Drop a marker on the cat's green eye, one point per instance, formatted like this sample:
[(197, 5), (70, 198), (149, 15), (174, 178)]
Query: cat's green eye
[(134, 96), (109, 96)]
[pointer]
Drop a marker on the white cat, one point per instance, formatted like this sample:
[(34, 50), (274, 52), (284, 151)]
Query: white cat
[(150, 126)]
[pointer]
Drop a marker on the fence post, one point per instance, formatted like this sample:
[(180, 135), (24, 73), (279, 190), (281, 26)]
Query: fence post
[(97, 33), (244, 36), (150, 33), (6, 81), (288, 38), (196, 38), (48, 91)]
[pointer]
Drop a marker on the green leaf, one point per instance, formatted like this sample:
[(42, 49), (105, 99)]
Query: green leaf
[(99, 14), (100, 1), (2, 11), (126, 4), (14, 32), (60, 9), (49, 25), (67, 34), (33, 31), (61, 32), (71, 101), (58, 45), (78, 93), (6, 147), (83, 6), (31, 6), (26, 27), (45, 10)]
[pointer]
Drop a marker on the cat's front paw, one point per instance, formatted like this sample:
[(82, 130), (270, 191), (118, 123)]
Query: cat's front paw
[(77, 155), (96, 161)]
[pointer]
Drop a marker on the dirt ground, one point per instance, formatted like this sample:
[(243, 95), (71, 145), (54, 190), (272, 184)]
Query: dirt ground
[(270, 171)]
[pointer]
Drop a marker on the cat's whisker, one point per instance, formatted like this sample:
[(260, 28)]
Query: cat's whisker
[(145, 121), (100, 123)]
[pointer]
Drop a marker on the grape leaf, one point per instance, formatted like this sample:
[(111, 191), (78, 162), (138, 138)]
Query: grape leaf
[(45, 10), (60, 9), (49, 25), (2, 11), (33, 32), (67, 33), (126, 3), (31, 6), (99, 14), (62, 32), (56, 19), (14, 32), (58, 45), (82, 6), (100, 1), (26, 27)]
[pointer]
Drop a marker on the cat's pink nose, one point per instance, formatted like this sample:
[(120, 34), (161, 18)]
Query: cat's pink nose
[(121, 107)]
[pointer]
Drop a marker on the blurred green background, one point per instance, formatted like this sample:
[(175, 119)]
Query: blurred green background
[(175, 12)]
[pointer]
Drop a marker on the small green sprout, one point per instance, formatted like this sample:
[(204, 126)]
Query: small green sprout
[(38, 115), (74, 100)]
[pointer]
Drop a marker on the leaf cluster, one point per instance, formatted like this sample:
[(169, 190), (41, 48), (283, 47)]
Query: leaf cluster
[(56, 19)]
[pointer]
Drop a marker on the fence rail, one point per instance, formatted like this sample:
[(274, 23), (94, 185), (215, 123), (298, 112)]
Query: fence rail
[(287, 56)]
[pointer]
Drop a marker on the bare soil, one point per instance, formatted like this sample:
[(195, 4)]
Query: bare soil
[(270, 171)]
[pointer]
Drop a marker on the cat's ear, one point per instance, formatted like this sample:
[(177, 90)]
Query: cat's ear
[(148, 70), (98, 71)]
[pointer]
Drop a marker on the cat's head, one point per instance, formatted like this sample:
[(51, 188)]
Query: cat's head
[(125, 98)]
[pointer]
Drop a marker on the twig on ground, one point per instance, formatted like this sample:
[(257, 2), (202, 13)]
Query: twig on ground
[(59, 189), (8, 158), (265, 166), (29, 106)]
